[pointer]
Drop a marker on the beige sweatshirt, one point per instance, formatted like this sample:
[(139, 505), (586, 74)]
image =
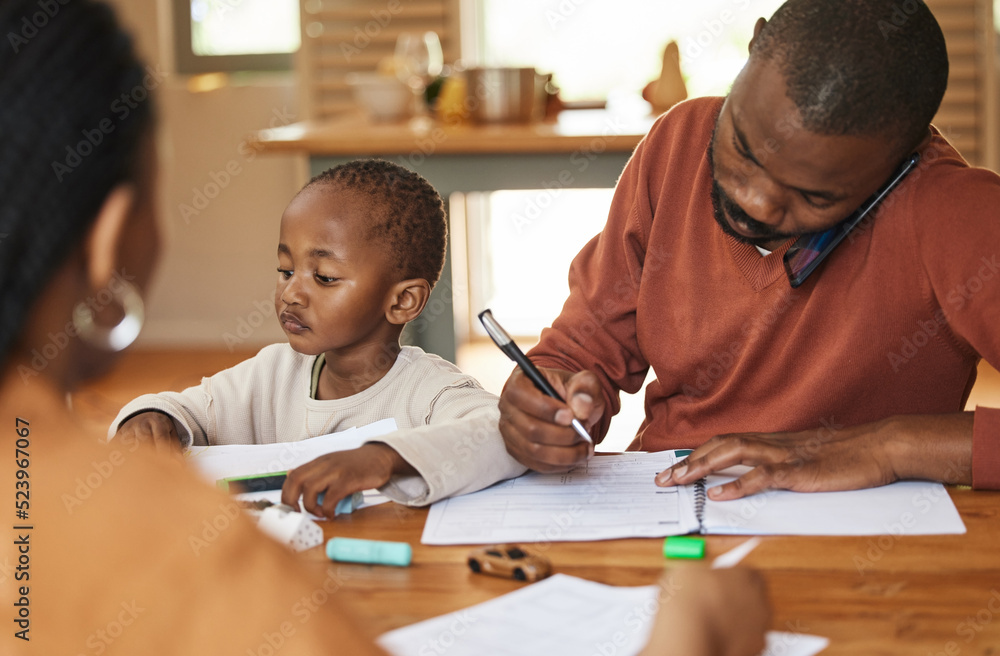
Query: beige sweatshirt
[(447, 422)]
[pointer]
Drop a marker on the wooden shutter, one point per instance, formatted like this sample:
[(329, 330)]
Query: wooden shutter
[(343, 36), (968, 113)]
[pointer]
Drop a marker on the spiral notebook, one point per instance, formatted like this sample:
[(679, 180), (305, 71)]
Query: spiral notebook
[(614, 496)]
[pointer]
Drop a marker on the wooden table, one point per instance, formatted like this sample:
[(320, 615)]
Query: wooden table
[(920, 596), (582, 149)]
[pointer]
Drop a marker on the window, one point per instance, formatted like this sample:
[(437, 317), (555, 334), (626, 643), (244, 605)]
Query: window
[(235, 35), (510, 228), (598, 48)]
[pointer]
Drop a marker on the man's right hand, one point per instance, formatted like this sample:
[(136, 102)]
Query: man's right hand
[(536, 428), (152, 429)]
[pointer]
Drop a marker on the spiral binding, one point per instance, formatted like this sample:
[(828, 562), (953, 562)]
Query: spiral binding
[(699, 504)]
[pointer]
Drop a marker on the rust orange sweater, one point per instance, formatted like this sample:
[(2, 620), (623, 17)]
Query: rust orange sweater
[(893, 322)]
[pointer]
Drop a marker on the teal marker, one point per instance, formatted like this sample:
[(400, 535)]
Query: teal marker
[(370, 552)]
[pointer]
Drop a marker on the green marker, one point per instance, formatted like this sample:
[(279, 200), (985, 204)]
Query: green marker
[(253, 482), (683, 547)]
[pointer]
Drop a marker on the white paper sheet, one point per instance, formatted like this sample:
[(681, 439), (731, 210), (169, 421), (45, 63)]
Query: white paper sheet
[(608, 497), (560, 615), (615, 497), (903, 508), (215, 462)]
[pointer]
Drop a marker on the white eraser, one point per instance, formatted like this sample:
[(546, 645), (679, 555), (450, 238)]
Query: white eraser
[(290, 528)]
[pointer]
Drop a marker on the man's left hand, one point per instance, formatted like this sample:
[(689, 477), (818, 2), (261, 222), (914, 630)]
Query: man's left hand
[(868, 455)]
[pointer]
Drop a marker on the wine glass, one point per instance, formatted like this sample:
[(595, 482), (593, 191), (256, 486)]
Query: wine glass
[(418, 60)]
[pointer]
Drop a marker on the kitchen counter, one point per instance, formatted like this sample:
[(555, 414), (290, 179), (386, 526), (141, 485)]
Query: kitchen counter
[(584, 131)]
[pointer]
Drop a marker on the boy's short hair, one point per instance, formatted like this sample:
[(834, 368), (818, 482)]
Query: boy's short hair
[(407, 213)]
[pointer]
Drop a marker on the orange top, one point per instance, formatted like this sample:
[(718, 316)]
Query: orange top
[(118, 552), (893, 322)]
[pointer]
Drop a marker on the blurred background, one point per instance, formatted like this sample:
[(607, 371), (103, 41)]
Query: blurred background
[(224, 69)]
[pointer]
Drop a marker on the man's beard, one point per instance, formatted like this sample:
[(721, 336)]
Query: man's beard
[(722, 205)]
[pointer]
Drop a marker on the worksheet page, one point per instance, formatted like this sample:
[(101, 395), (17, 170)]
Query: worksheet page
[(902, 508), (615, 497), (606, 498), (215, 462), (560, 615)]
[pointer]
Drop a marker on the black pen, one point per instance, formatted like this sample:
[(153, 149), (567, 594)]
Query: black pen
[(507, 345)]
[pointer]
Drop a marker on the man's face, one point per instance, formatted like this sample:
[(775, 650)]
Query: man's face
[(772, 178)]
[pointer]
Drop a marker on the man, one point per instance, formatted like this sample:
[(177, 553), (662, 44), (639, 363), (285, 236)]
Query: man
[(856, 378)]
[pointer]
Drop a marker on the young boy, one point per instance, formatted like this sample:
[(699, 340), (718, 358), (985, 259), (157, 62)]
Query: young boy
[(360, 248)]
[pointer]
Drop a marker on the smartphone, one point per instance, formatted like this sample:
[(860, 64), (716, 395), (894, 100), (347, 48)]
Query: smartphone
[(810, 250)]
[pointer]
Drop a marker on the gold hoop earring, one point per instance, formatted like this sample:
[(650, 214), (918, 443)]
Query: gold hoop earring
[(121, 335)]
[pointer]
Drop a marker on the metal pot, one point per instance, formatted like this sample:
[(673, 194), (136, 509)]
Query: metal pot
[(505, 95)]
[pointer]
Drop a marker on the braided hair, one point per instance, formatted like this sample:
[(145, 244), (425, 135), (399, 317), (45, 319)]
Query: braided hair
[(71, 125)]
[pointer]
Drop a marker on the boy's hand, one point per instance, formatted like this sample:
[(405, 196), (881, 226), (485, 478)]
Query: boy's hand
[(536, 428), (153, 429), (718, 612), (340, 474)]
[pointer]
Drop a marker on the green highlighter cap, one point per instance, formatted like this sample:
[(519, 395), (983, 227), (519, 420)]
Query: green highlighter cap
[(683, 547), (372, 552)]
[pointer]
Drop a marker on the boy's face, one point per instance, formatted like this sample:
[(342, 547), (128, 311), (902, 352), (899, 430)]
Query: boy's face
[(334, 286)]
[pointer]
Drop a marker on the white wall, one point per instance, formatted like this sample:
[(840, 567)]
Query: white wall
[(216, 276)]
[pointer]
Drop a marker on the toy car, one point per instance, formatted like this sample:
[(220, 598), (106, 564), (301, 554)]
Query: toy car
[(509, 560)]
